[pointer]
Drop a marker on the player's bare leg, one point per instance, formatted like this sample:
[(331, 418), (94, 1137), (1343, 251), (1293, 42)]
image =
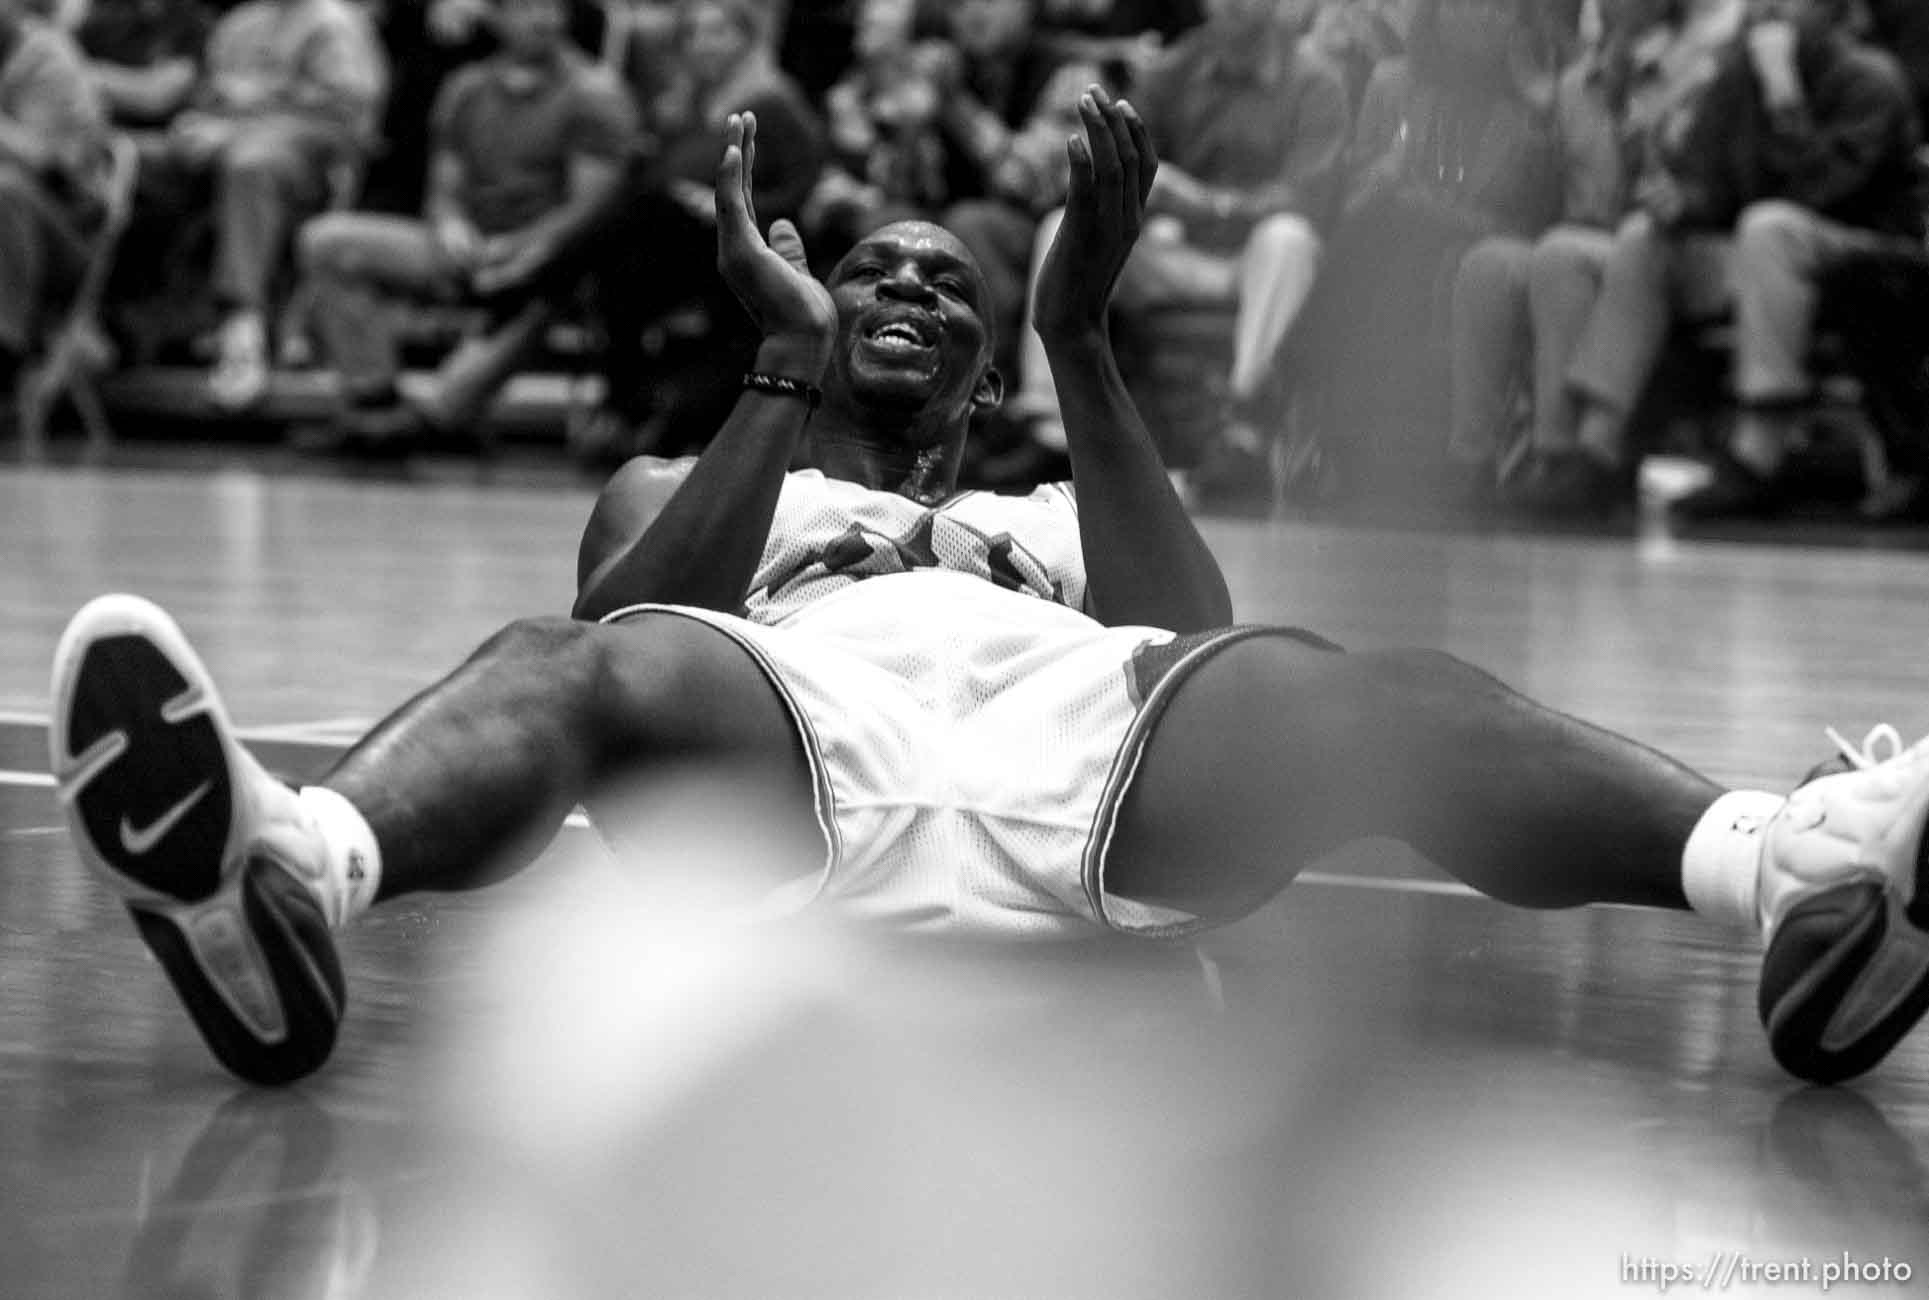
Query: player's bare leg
[(468, 781), (235, 880), (1275, 752)]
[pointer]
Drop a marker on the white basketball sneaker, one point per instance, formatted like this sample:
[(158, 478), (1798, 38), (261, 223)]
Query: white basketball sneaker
[(220, 864), (1843, 894)]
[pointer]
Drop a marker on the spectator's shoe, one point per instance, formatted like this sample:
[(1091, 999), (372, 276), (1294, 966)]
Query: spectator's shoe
[(1734, 492), (1844, 901), (241, 372), (1899, 499), (1232, 479), (220, 865), (1562, 485)]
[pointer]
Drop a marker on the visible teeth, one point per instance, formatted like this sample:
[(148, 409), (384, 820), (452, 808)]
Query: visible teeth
[(899, 332)]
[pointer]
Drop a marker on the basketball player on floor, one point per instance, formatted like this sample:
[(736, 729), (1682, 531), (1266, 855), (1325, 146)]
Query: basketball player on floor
[(997, 715)]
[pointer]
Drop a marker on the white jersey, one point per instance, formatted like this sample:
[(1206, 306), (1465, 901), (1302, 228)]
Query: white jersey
[(827, 534), (969, 728)]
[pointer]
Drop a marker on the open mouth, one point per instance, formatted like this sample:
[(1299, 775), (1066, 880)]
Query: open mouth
[(902, 335)]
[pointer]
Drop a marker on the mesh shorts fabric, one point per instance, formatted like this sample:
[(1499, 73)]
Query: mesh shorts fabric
[(969, 747)]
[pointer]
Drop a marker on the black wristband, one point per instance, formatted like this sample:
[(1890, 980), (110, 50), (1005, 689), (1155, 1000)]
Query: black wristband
[(783, 386)]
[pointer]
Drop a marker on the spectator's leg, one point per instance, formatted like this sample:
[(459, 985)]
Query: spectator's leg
[(1276, 272), (1624, 338), (1780, 250), (264, 182), (469, 380), (356, 262), (1563, 285), (1490, 345)]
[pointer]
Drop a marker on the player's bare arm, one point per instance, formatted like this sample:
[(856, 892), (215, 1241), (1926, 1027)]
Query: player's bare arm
[(701, 549), (1144, 559)]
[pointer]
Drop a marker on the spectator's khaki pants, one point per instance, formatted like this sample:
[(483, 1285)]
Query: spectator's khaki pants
[(357, 264), (1767, 272)]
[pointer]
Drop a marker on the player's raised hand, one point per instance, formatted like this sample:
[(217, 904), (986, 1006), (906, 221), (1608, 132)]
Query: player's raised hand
[(771, 278), (1113, 166)]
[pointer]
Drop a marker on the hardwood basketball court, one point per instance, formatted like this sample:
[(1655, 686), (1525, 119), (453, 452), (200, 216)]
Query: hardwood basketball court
[(1380, 1086)]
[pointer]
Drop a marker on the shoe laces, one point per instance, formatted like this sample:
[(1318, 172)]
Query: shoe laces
[(1866, 756)]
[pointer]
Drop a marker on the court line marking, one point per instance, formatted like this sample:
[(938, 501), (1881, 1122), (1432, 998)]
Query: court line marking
[(579, 821)]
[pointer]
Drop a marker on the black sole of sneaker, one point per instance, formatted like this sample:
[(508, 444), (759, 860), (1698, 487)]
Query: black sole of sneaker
[(1828, 950), (160, 814), (150, 779), (302, 967)]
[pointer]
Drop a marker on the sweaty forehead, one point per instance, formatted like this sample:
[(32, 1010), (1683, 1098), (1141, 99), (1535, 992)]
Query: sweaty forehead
[(916, 239)]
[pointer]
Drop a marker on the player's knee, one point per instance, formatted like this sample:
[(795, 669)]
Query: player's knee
[(553, 641)]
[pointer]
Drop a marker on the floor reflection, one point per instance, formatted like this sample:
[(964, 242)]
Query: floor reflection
[(259, 1209)]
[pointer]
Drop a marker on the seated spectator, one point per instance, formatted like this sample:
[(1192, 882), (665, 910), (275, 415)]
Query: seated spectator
[(291, 93), (1455, 143), (653, 248), (1357, 36), (996, 69), (523, 146), (143, 56), (427, 41), (1251, 128), (887, 155), (1802, 152), (50, 150), (649, 247), (1520, 306)]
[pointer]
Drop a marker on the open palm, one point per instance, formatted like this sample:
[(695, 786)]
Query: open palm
[(771, 278), (1113, 166)]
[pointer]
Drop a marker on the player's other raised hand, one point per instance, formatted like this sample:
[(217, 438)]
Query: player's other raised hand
[(1113, 165), (770, 277)]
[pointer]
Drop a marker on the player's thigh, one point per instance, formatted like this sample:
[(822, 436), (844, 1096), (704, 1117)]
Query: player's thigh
[(1213, 822), (675, 688)]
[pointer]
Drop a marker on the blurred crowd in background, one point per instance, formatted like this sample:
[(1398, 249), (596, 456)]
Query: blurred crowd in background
[(1487, 254)]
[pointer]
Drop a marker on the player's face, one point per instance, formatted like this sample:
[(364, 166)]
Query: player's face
[(911, 319)]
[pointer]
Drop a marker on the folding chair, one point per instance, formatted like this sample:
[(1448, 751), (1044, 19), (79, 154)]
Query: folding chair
[(78, 352)]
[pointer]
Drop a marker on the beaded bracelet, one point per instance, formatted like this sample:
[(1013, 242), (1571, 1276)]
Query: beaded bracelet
[(783, 386)]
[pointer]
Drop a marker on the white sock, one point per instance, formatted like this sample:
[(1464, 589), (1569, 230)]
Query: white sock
[(1721, 863), (353, 869)]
